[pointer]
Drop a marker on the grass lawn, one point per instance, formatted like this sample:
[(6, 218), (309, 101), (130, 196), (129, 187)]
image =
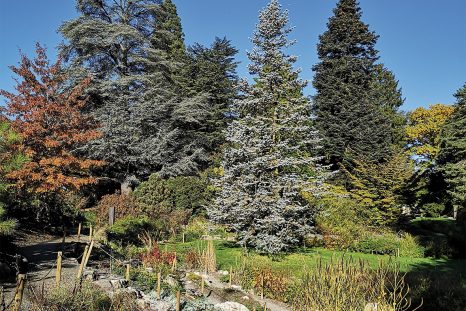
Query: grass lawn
[(228, 255)]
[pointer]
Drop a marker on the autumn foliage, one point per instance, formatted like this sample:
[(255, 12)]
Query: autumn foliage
[(424, 128), (124, 205), (47, 113)]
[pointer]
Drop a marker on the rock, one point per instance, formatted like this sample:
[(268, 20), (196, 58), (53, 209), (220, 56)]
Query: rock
[(245, 297), (235, 287), (230, 306), (170, 280), (104, 284), (118, 283), (373, 306), (90, 274), (163, 306), (143, 304), (135, 293), (223, 272)]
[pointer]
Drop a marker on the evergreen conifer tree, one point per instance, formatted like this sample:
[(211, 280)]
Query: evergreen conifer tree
[(169, 31), (386, 94), (135, 52), (270, 159), (111, 42), (346, 115), (212, 71), (452, 156)]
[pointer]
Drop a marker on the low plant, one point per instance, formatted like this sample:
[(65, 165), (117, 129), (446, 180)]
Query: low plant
[(155, 258), (389, 243), (7, 226), (128, 230), (432, 209), (345, 284), (192, 259), (86, 297)]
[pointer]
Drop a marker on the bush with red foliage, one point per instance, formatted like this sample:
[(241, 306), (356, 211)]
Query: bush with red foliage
[(155, 257), (124, 206)]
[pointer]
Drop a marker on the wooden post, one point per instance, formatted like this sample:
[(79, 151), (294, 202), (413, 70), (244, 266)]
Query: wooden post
[(174, 263), (79, 231), (202, 284), (19, 292), (90, 233), (178, 294), (111, 215), (231, 272), (159, 279), (88, 254), (183, 237), (58, 273), (2, 298), (83, 259), (262, 286), (128, 266)]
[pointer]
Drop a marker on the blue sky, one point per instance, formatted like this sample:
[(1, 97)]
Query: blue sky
[(422, 41)]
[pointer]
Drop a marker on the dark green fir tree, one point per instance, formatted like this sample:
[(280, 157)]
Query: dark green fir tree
[(452, 155), (347, 117)]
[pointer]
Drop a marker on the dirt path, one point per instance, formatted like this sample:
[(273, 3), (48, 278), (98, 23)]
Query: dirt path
[(42, 256)]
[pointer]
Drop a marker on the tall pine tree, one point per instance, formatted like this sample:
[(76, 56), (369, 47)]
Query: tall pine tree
[(349, 120), (269, 161), (452, 156), (386, 94)]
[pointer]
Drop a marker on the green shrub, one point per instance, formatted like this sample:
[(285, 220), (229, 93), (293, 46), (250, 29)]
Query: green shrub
[(7, 226), (196, 228), (385, 244), (128, 230), (189, 193), (410, 247), (88, 297), (442, 237), (340, 222), (432, 209), (389, 243)]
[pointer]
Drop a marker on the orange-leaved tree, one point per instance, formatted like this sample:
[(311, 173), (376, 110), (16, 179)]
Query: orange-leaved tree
[(47, 113)]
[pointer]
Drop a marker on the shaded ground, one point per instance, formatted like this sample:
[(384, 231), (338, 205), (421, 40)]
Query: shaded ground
[(41, 252)]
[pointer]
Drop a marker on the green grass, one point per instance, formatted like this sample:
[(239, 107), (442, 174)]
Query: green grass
[(229, 255)]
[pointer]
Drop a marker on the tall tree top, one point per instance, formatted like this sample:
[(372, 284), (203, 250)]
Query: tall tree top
[(275, 77), (269, 39), (170, 30), (347, 34)]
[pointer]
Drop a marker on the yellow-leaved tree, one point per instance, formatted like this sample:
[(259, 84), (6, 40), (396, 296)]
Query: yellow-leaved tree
[(423, 131)]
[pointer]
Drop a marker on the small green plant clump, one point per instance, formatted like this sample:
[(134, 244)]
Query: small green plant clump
[(340, 284), (86, 297)]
